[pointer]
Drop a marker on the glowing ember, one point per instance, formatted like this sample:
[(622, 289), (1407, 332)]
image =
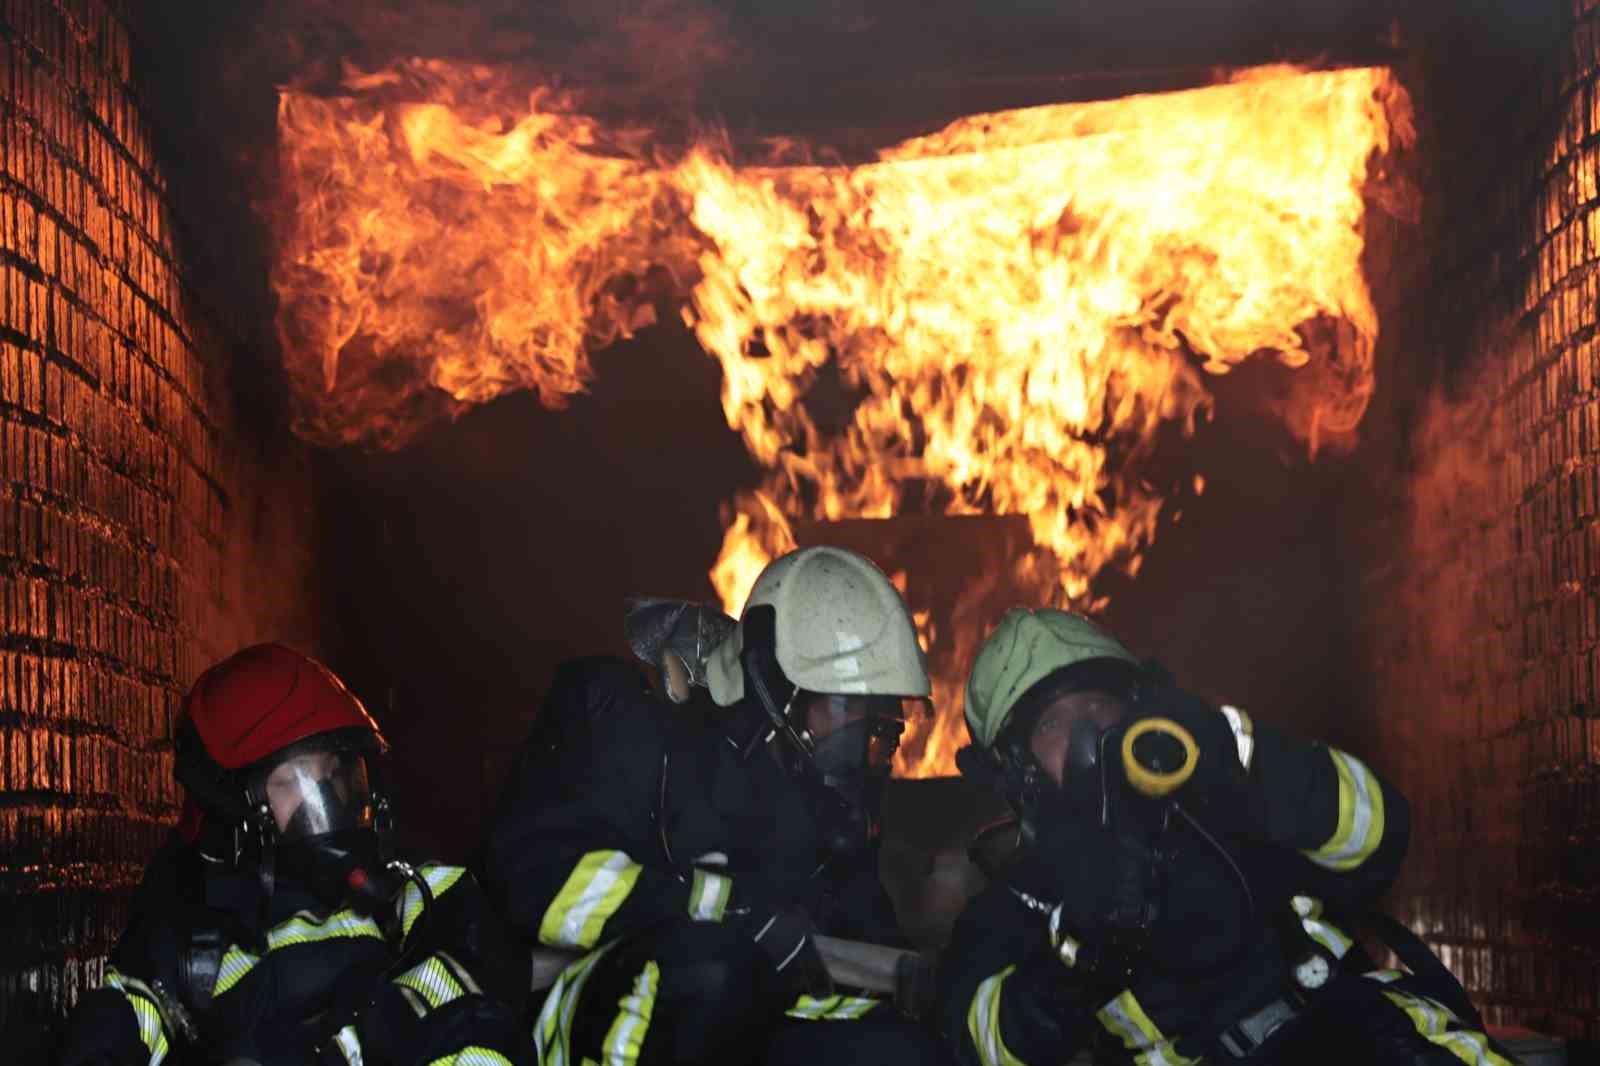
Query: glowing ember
[(1015, 305)]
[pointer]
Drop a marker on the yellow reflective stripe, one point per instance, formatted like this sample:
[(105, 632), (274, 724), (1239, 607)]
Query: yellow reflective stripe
[(235, 964), (1125, 1019), (307, 928), (473, 1056), (830, 1008), (432, 981), (708, 896), (983, 1022), (1383, 977), (1360, 827), (1440, 1027), (553, 1028), (152, 1026), (303, 928), (1244, 733), (440, 880), (592, 894), (626, 1035)]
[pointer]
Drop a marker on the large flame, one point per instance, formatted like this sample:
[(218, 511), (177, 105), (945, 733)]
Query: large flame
[(997, 318)]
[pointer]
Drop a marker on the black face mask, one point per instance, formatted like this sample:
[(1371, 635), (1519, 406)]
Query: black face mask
[(343, 868), (852, 764)]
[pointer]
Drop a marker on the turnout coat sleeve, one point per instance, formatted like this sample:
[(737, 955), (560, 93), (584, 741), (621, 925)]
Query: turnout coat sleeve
[(572, 857), (1342, 828), (1348, 828), (123, 1023)]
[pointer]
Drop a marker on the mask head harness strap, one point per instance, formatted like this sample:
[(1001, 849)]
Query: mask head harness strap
[(773, 693)]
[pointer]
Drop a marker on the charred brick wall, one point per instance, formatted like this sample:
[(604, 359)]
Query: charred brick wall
[(144, 529), (1484, 606)]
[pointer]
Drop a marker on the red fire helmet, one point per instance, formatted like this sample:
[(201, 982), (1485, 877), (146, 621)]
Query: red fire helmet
[(261, 700), (247, 708)]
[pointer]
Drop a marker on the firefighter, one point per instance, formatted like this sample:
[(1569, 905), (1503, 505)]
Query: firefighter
[(692, 855), (274, 927), (1184, 883)]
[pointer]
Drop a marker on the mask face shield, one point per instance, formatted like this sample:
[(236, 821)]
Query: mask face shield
[(318, 792), (857, 735)]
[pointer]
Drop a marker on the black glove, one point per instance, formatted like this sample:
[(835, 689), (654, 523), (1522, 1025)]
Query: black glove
[(1219, 792), (785, 939)]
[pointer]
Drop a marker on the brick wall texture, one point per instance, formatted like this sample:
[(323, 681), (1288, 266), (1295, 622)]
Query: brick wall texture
[(1486, 613), (142, 533)]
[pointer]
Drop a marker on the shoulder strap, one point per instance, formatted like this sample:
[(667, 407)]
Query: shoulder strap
[(1417, 957)]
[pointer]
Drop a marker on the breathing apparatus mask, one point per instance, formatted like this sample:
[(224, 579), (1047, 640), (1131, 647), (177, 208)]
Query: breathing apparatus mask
[(321, 825), (1090, 786), (842, 769)]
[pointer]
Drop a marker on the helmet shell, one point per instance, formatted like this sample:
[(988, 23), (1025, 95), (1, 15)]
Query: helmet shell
[(1024, 649), (266, 698), (841, 627)]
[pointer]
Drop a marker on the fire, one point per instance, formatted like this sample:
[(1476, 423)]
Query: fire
[(452, 236), (1015, 306)]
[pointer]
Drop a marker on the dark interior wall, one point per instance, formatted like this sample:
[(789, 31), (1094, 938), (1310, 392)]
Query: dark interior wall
[(1483, 549), (150, 519)]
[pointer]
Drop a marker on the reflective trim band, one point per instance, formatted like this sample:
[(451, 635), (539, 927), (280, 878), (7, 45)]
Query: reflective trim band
[(592, 894), (1442, 1028), (235, 964), (307, 928), (303, 928), (708, 896), (1306, 906), (1360, 827), (628, 1029), (146, 1012), (1125, 1019), (440, 879), (983, 1023), (1244, 733), (1384, 977), (1327, 934), (431, 980), (830, 1008), (349, 1045), (473, 1056), (552, 1030)]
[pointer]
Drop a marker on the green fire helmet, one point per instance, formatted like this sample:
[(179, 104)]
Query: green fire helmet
[(1025, 648)]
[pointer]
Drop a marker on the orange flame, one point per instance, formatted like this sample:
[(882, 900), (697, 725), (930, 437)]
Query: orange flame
[(1014, 306)]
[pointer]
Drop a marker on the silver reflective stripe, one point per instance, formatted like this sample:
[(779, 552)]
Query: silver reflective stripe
[(349, 1045), (552, 1030), (831, 1008), (598, 892), (626, 1037), (986, 1021), (1127, 1020), (1360, 816), (709, 896), (1328, 935), (440, 880), (1243, 733), (146, 1012)]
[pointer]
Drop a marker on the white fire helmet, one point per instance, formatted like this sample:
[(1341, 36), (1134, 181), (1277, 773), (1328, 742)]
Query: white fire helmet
[(840, 627)]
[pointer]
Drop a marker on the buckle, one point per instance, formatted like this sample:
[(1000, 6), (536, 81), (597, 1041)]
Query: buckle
[(1245, 1037)]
